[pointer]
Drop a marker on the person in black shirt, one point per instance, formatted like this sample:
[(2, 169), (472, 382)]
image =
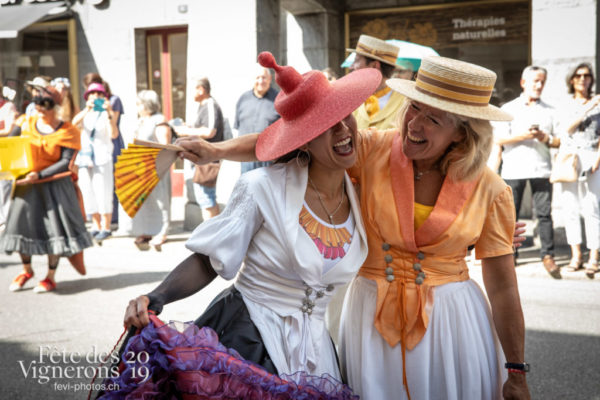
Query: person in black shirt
[(208, 126)]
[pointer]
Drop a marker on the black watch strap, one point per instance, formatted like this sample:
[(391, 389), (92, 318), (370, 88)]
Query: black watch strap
[(519, 366)]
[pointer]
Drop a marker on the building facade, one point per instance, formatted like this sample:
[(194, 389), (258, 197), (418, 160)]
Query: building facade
[(165, 45)]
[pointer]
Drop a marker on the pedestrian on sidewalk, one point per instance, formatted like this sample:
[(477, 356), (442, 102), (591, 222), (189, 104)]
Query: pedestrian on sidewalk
[(45, 216), (255, 110), (152, 219), (526, 143), (98, 124), (580, 133), (118, 110), (209, 125)]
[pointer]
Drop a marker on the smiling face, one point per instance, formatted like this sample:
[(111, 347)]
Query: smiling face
[(334, 148), (262, 82), (533, 84), (582, 81), (427, 133)]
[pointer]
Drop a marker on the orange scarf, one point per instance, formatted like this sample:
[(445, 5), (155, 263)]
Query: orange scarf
[(45, 149), (372, 103)]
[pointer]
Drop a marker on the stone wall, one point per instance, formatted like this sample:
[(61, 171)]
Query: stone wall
[(564, 33)]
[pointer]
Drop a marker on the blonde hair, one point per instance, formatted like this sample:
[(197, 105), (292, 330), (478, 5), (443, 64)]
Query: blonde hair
[(466, 159)]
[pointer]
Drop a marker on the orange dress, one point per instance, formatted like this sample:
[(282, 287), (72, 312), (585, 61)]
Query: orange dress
[(405, 264), (45, 218)]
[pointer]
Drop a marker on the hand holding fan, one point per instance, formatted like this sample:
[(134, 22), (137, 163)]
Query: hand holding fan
[(138, 170)]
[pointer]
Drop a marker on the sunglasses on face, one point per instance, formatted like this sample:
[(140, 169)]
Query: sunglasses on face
[(45, 102), (582, 76)]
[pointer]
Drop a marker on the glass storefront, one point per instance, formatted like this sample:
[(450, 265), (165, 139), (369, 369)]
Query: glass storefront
[(161, 65), (495, 34), (43, 49)]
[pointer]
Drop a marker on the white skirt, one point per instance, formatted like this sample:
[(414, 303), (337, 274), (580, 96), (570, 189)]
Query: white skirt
[(458, 358)]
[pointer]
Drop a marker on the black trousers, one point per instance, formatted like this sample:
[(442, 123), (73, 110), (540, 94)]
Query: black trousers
[(541, 190)]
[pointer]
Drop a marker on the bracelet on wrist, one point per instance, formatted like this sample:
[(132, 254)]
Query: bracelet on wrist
[(516, 371), (520, 368)]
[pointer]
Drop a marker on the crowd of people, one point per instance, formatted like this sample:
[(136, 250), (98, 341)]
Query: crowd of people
[(525, 148), (71, 180), (367, 188)]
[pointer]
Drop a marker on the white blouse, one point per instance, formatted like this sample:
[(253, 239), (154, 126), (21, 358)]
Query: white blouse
[(282, 281), (98, 123)]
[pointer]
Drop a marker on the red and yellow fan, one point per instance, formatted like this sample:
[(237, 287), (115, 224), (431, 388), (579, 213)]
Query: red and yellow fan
[(138, 170)]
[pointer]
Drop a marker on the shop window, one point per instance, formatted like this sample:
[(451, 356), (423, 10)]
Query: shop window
[(161, 64), (43, 49), (494, 34)]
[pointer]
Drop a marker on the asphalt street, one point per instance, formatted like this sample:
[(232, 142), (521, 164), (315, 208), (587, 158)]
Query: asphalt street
[(70, 328)]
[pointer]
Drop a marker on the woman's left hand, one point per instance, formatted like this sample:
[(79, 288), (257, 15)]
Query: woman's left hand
[(30, 177), (515, 388)]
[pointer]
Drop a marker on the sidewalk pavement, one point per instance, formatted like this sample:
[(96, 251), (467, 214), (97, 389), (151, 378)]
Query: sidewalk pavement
[(529, 263)]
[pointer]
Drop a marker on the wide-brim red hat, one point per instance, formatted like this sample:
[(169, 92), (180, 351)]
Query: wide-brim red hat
[(309, 105)]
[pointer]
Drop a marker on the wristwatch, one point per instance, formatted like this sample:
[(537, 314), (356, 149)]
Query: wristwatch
[(518, 366)]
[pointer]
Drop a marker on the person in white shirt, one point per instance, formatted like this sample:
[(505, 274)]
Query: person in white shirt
[(526, 155), (98, 126)]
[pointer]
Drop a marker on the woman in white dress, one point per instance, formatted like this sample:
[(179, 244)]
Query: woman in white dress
[(153, 217), (294, 225)]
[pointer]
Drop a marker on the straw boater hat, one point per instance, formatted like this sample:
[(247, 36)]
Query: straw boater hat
[(309, 105), (454, 86), (377, 49)]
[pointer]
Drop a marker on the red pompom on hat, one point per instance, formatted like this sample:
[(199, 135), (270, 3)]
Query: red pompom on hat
[(309, 105)]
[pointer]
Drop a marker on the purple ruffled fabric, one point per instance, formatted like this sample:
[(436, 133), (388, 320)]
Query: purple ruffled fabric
[(193, 364)]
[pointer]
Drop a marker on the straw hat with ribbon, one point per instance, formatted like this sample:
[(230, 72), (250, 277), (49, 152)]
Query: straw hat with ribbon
[(309, 105), (454, 86), (377, 49)]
